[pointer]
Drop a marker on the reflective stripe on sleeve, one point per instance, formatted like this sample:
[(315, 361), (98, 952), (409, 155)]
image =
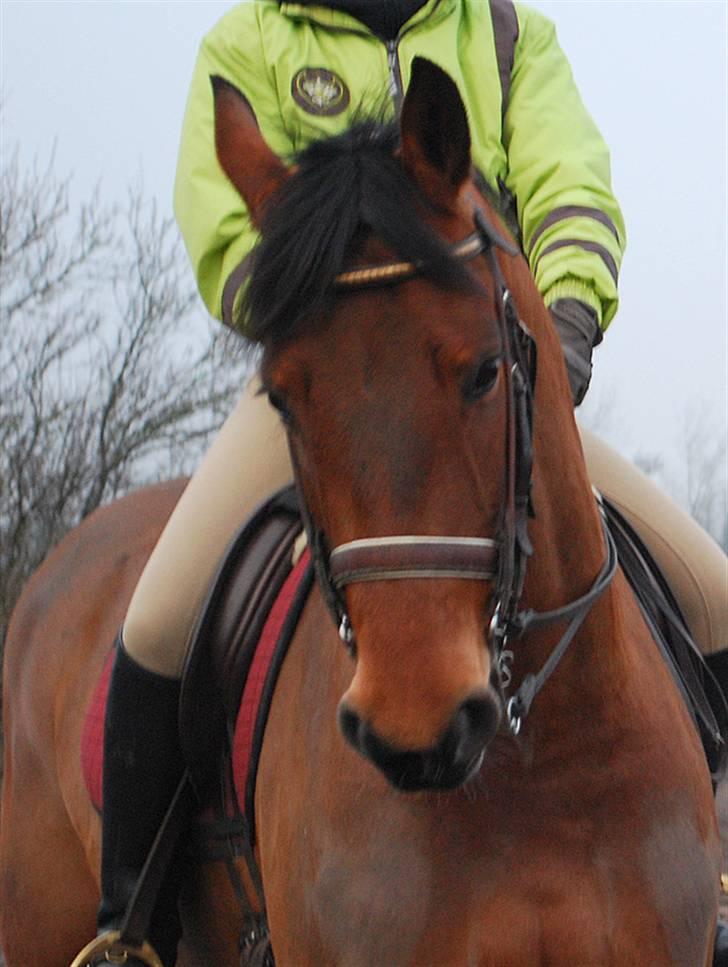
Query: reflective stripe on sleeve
[(587, 246), (572, 211)]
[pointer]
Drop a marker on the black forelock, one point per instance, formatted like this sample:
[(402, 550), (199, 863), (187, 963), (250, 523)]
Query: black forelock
[(345, 189)]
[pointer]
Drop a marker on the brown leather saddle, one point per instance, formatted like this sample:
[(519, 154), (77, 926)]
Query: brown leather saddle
[(223, 641), (223, 648)]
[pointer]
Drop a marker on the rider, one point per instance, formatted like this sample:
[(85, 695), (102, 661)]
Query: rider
[(306, 70)]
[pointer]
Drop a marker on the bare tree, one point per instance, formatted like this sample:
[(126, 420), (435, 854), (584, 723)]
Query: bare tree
[(694, 472), (110, 374), (706, 474), (698, 476)]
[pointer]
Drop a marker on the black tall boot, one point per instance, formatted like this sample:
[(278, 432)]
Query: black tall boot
[(718, 665), (143, 765)]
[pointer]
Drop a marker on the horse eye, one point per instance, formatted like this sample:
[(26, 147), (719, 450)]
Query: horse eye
[(482, 379), (278, 402)]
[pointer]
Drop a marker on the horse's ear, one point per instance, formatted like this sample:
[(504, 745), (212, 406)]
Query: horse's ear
[(434, 134), (246, 159)]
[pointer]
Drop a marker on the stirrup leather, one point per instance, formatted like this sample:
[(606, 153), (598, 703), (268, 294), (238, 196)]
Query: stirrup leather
[(109, 948)]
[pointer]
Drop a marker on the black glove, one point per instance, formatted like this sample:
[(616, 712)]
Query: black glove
[(579, 332)]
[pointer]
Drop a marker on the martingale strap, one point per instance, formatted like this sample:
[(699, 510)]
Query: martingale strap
[(519, 705)]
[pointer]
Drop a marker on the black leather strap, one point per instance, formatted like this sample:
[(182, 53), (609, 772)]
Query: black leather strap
[(135, 927)]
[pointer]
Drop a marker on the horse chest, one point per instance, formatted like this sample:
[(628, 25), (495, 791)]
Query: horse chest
[(527, 917), (446, 896), (562, 853)]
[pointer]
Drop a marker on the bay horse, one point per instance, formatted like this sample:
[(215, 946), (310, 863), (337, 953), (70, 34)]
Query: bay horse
[(497, 770)]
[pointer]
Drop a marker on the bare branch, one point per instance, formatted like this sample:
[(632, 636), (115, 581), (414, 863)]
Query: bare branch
[(111, 375)]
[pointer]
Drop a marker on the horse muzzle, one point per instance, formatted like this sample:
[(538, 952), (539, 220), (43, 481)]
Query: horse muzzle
[(454, 759)]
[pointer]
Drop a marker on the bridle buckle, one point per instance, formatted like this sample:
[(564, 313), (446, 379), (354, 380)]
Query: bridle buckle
[(514, 715), (346, 632)]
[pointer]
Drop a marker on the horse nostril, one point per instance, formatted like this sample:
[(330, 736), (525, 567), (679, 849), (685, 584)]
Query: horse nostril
[(351, 725), (472, 727)]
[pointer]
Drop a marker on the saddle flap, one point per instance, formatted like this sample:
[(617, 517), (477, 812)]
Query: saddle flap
[(222, 642)]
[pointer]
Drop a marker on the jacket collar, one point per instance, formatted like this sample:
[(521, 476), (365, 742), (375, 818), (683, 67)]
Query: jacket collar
[(341, 16)]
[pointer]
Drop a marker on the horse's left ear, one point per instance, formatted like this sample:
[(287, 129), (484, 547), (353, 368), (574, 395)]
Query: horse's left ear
[(434, 134), (246, 159)]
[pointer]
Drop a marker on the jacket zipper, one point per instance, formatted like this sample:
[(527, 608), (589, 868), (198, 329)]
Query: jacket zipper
[(395, 75), (396, 87)]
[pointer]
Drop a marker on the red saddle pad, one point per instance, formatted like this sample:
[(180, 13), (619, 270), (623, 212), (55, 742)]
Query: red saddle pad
[(249, 712)]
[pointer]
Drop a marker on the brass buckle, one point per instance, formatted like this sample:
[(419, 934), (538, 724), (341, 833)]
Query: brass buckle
[(107, 949)]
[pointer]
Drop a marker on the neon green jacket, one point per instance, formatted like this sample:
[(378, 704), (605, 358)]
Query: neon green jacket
[(306, 71)]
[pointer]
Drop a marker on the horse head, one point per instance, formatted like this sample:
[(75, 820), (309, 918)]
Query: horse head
[(387, 353)]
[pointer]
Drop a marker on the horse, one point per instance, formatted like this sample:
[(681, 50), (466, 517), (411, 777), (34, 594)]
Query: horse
[(475, 754)]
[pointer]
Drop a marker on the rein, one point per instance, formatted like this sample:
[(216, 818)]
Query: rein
[(502, 560)]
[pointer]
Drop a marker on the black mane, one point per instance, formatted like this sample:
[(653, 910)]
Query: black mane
[(345, 188)]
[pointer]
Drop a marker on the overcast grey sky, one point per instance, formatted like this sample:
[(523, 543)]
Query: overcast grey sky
[(106, 81)]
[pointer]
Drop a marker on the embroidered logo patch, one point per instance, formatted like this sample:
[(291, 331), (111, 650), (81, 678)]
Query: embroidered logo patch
[(319, 91)]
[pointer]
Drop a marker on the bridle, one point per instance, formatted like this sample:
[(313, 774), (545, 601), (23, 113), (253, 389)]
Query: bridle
[(502, 560)]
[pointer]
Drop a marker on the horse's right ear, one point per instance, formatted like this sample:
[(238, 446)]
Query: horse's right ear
[(246, 159), (434, 133)]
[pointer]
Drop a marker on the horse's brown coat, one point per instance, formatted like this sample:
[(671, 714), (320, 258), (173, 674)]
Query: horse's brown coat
[(58, 639), (589, 840)]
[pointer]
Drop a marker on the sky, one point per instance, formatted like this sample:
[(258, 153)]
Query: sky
[(104, 83)]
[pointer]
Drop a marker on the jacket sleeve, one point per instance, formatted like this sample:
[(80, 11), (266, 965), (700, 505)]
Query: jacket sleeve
[(559, 171), (212, 217)]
